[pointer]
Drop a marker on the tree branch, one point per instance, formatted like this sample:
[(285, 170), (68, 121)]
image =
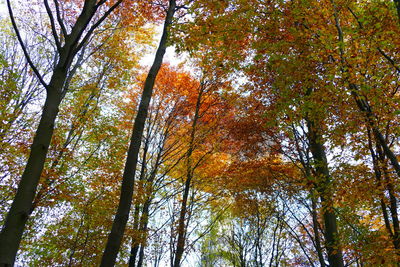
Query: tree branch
[(53, 25), (389, 59), (28, 58), (59, 19), (91, 30)]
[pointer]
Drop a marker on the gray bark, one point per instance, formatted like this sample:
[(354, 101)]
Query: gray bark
[(128, 179), (13, 228), (335, 257), (180, 245)]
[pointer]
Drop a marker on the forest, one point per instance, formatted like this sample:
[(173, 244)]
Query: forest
[(199, 133)]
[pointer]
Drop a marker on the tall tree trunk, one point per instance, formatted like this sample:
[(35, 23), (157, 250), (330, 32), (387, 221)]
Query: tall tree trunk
[(11, 234), (135, 241), (305, 161), (317, 148), (180, 245), (317, 238), (144, 221), (135, 244), (378, 178), (14, 225), (128, 179), (392, 200)]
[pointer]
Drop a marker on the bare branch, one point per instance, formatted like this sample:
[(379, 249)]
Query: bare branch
[(389, 59), (53, 25), (28, 58), (59, 19), (91, 30)]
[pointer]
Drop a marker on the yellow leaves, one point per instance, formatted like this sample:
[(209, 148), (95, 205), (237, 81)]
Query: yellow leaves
[(262, 175)]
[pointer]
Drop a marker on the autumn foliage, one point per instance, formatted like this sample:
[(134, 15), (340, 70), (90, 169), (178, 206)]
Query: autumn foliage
[(267, 136)]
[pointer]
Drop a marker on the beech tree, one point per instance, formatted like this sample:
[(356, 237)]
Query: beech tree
[(128, 180)]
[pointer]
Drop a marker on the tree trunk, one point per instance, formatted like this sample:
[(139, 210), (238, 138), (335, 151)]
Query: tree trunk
[(11, 234), (180, 245), (317, 239), (144, 221), (392, 200), (366, 109), (317, 148), (128, 179), (135, 244), (18, 215)]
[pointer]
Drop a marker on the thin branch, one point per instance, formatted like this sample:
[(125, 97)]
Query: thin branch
[(28, 58), (389, 59), (91, 30), (59, 19), (53, 25)]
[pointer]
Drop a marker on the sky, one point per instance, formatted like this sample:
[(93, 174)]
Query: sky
[(3, 9)]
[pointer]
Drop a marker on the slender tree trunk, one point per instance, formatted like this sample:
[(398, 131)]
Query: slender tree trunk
[(395, 217), (335, 256), (379, 164), (135, 244), (14, 225), (11, 234), (371, 119), (305, 161), (366, 109), (128, 179), (317, 238), (144, 221), (180, 245), (141, 223), (392, 200), (135, 241), (378, 178)]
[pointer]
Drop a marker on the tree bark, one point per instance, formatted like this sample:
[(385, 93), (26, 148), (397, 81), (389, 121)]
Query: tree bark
[(14, 225), (317, 239), (180, 245), (128, 179), (11, 234), (392, 200), (335, 257)]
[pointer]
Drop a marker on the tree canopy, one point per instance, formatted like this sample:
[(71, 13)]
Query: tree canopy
[(269, 137)]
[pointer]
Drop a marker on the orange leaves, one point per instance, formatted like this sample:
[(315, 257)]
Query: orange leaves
[(261, 175)]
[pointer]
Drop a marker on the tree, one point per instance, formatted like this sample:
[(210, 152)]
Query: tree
[(128, 179), (68, 46)]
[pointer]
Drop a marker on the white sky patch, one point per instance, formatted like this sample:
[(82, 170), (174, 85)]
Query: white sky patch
[(3, 9), (170, 56)]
